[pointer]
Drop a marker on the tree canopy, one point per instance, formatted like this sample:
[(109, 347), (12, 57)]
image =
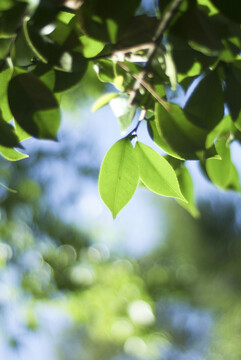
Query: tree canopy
[(190, 46)]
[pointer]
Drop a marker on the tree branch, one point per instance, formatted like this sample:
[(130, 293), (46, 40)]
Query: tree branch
[(164, 22)]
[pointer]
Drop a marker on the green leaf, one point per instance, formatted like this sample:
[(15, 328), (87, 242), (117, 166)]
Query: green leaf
[(123, 111), (186, 186), (219, 170), (138, 31), (45, 13), (67, 80), (90, 47), (6, 4), (223, 128), (4, 46), (205, 106), (180, 134), (104, 100), (22, 135), (8, 137), (159, 140), (156, 173), (231, 8), (195, 27), (104, 20), (46, 74), (60, 56), (230, 34), (105, 70), (118, 176), (232, 90), (10, 18), (5, 76), (12, 154), (170, 69), (233, 183), (34, 106)]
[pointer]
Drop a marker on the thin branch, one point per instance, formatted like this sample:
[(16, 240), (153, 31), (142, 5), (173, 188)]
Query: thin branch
[(133, 132), (117, 53), (147, 86), (163, 24)]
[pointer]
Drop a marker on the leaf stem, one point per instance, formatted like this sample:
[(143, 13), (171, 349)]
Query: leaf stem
[(133, 132)]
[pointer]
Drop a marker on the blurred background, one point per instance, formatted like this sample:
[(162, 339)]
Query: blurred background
[(155, 284)]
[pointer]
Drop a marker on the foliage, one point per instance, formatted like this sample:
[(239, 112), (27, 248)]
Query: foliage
[(193, 45)]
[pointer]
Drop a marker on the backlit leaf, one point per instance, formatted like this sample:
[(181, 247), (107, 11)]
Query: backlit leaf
[(219, 170), (156, 173), (104, 100), (186, 186), (118, 176), (12, 154)]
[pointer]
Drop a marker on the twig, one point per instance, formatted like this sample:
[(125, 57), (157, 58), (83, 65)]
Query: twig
[(133, 132), (164, 22), (117, 53), (147, 86)]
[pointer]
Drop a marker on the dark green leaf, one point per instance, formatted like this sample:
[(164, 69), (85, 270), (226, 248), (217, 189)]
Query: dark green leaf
[(48, 51), (10, 18), (140, 30), (179, 133), (231, 8), (159, 140), (233, 90), (205, 106), (103, 20), (8, 137), (195, 27), (66, 80), (45, 13), (33, 106)]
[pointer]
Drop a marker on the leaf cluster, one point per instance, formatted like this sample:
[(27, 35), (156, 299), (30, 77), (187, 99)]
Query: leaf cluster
[(193, 45)]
